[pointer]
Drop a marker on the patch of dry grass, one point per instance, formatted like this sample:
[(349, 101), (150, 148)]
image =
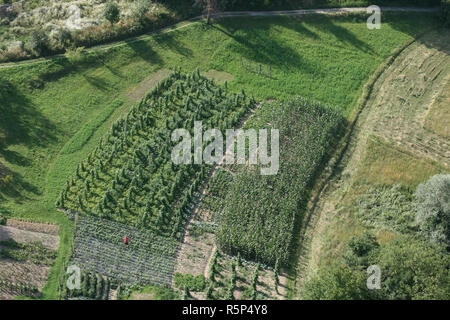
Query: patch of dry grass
[(438, 117), (384, 164)]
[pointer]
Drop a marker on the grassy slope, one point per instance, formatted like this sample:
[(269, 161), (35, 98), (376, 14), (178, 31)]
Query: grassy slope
[(438, 116), (327, 59)]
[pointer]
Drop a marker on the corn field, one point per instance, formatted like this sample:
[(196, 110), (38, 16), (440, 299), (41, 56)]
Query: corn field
[(261, 212)]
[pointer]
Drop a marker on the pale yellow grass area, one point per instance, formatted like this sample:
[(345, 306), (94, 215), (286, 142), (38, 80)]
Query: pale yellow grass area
[(438, 117)]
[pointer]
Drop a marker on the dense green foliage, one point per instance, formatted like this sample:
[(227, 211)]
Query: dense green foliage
[(410, 269), (131, 178), (433, 209), (260, 212), (33, 252), (193, 283)]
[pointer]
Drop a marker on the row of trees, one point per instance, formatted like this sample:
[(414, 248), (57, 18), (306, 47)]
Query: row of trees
[(130, 177)]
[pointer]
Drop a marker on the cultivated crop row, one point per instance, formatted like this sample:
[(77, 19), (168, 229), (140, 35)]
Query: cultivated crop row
[(130, 176), (99, 247), (260, 212)]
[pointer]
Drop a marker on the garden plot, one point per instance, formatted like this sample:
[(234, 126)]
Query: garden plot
[(24, 232), (249, 280), (27, 251), (99, 247)]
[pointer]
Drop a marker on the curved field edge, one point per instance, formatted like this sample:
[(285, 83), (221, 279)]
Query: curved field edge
[(332, 168), (95, 73), (334, 186)]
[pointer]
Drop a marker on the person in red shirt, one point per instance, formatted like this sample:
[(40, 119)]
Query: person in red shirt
[(125, 240)]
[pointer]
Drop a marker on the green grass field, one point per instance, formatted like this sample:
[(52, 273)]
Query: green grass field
[(54, 113)]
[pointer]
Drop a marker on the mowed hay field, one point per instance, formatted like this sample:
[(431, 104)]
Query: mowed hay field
[(71, 102)]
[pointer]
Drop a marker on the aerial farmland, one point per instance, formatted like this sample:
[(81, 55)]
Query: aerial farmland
[(224, 150)]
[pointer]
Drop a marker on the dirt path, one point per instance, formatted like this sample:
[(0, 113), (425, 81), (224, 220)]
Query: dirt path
[(187, 23), (395, 112)]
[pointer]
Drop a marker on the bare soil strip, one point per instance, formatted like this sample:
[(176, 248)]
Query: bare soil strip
[(35, 227)]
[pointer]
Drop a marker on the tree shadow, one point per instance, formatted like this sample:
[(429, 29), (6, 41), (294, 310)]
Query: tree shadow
[(264, 47), (142, 49), (346, 37), (21, 121), (167, 41), (14, 189), (97, 82)]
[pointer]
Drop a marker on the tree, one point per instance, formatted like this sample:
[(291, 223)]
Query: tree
[(140, 9), (433, 209), (210, 7), (414, 269), (39, 41), (112, 12)]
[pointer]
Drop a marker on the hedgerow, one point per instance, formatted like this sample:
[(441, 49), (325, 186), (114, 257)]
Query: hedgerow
[(260, 212), (130, 177)]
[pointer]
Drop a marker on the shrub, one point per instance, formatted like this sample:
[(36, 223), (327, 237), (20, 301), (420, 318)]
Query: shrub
[(337, 282), (412, 269), (39, 42), (360, 249), (192, 283), (140, 10), (112, 12), (433, 209), (3, 220)]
